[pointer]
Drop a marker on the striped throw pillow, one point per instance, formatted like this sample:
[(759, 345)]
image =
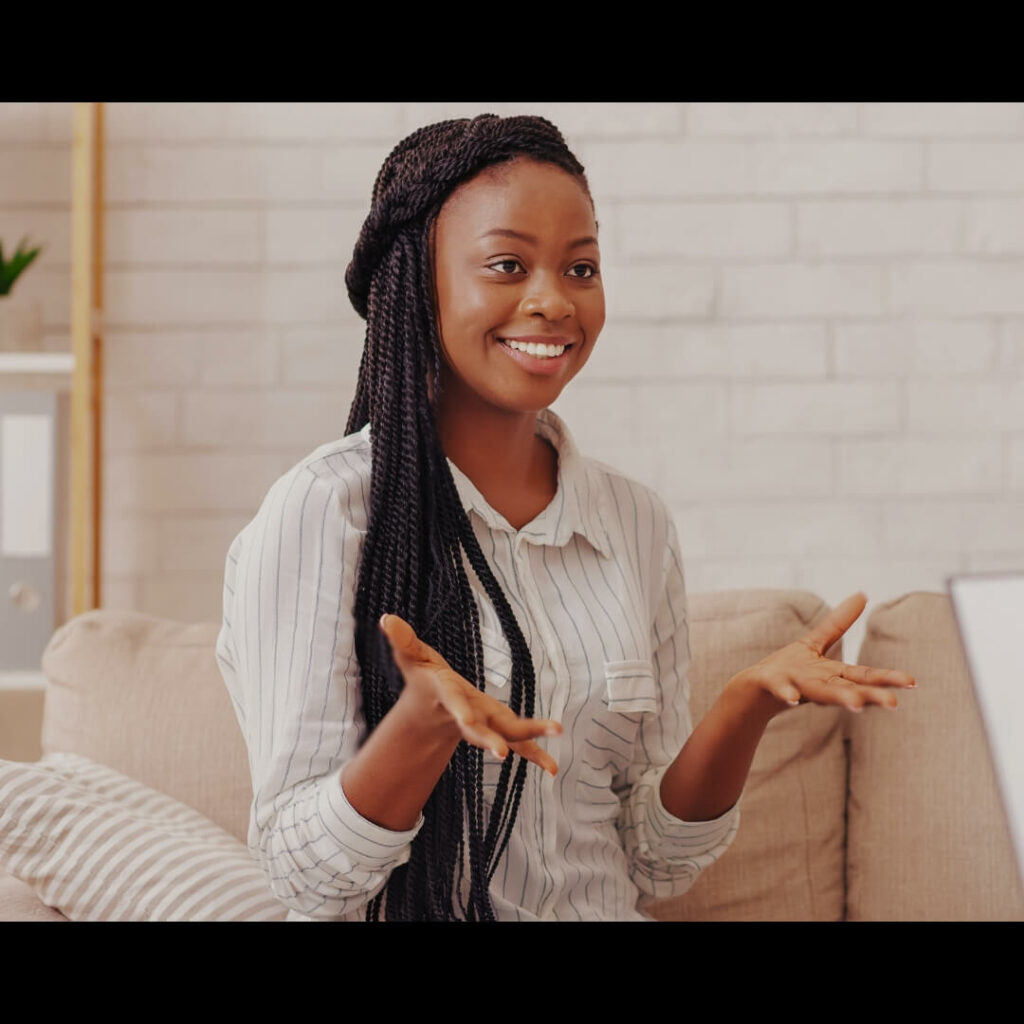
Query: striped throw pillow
[(99, 846)]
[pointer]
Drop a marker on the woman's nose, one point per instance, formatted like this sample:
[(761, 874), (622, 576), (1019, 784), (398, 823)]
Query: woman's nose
[(547, 297)]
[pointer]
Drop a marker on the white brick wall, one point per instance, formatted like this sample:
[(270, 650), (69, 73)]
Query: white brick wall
[(935, 120), (782, 290), (758, 120), (840, 166), (652, 231), (874, 227), (916, 348), (833, 407), (814, 350)]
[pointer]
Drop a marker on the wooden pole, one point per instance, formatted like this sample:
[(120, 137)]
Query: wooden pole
[(87, 346)]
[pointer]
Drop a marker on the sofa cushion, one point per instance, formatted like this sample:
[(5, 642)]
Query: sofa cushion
[(98, 846), (18, 902), (786, 862), (144, 695), (927, 835)]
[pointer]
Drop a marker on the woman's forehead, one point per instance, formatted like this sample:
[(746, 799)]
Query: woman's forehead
[(517, 193)]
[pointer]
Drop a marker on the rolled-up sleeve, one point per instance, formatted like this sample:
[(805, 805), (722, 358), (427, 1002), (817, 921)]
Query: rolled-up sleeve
[(665, 853), (287, 654)]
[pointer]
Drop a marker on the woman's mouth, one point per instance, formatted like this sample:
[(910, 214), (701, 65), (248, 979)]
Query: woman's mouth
[(540, 350), (537, 355)]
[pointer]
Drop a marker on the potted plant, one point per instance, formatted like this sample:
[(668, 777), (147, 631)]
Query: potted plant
[(21, 323)]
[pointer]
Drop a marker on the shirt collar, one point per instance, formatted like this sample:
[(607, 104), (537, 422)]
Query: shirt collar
[(578, 504)]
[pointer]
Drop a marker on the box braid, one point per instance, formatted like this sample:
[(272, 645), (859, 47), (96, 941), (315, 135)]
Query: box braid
[(418, 533)]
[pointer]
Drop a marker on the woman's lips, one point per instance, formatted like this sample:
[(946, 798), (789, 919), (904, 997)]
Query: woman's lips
[(540, 365)]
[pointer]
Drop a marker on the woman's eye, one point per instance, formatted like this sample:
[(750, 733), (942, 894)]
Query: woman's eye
[(507, 266), (582, 270)]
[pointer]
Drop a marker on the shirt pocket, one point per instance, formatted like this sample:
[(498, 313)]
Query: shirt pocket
[(630, 687)]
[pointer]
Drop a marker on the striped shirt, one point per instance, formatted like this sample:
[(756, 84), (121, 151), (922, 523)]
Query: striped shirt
[(596, 584)]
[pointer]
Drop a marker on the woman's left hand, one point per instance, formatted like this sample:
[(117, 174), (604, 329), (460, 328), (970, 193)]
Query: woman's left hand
[(800, 673)]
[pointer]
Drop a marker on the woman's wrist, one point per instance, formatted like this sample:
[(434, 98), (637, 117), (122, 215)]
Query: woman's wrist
[(394, 772), (745, 697), (425, 719)]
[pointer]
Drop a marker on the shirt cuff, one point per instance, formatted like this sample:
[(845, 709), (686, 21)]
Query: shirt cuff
[(688, 838), (371, 845)]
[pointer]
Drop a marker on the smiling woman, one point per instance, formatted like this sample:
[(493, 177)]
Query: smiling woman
[(456, 647)]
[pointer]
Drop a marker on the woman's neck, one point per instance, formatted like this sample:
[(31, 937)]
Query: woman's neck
[(513, 468)]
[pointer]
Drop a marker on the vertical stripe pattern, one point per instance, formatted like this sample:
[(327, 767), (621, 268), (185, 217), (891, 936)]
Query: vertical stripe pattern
[(596, 582)]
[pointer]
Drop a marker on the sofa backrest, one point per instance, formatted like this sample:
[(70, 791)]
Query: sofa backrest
[(144, 695), (787, 861)]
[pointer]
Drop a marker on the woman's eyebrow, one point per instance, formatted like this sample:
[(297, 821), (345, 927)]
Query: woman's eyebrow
[(512, 233)]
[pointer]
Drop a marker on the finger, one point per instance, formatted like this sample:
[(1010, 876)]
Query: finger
[(456, 704), (514, 728), (867, 676), (404, 641), (503, 727), (537, 755), (782, 689), (880, 695), (837, 689), (482, 736), (832, 690), (836, 623)]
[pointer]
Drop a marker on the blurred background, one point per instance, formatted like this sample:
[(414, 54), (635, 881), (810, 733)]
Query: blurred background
[(814, 348)]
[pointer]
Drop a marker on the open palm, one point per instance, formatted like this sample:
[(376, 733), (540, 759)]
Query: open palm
[(800, 673), (479, 718)]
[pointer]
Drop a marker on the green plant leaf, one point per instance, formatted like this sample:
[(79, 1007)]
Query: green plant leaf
[(9, 270)]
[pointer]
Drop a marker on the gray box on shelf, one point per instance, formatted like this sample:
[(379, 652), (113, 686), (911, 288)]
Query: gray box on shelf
[(29, 556)]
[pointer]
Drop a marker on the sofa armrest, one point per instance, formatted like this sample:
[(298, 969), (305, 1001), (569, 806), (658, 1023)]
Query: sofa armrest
[(927, 834)]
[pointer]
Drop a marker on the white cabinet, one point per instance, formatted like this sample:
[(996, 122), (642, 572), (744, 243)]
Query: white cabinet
[(33, 474)]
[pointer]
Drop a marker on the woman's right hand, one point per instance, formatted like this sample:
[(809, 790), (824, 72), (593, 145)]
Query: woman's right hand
[(479, 719)]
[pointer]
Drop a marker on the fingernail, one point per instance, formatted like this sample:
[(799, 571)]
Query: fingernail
[(792, 703), (383, 620), (552, 730)]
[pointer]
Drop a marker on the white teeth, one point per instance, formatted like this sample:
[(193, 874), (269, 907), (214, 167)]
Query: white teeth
[(533, 349)]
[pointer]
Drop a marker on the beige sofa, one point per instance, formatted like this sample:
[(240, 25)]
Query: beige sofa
[(872, 816)]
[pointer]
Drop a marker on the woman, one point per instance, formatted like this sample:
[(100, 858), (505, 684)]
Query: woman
[(520, 747)]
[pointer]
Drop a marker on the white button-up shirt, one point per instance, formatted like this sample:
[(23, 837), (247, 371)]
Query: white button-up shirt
[(596, 584)]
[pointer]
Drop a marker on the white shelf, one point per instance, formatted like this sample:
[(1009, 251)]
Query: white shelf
[(25, 680), (18, 364)]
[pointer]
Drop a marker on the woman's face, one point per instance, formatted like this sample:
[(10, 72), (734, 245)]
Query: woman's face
[(519, 296)]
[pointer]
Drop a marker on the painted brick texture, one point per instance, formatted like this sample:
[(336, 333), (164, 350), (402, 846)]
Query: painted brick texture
[(814, 348)]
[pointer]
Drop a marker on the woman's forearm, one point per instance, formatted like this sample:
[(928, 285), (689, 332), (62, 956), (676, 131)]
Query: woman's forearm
[(394, 772), (709, 773)]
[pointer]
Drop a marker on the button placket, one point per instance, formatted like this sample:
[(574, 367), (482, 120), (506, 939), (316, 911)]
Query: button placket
[(554, 708), (528, 582)]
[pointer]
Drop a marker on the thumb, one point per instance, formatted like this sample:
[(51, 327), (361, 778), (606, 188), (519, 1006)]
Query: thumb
[(402, 637)]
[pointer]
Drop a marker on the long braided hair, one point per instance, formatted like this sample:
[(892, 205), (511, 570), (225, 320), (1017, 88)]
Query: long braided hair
[(418, 532)]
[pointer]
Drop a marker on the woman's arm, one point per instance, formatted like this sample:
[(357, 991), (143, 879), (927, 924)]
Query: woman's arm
[(708, 775)]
